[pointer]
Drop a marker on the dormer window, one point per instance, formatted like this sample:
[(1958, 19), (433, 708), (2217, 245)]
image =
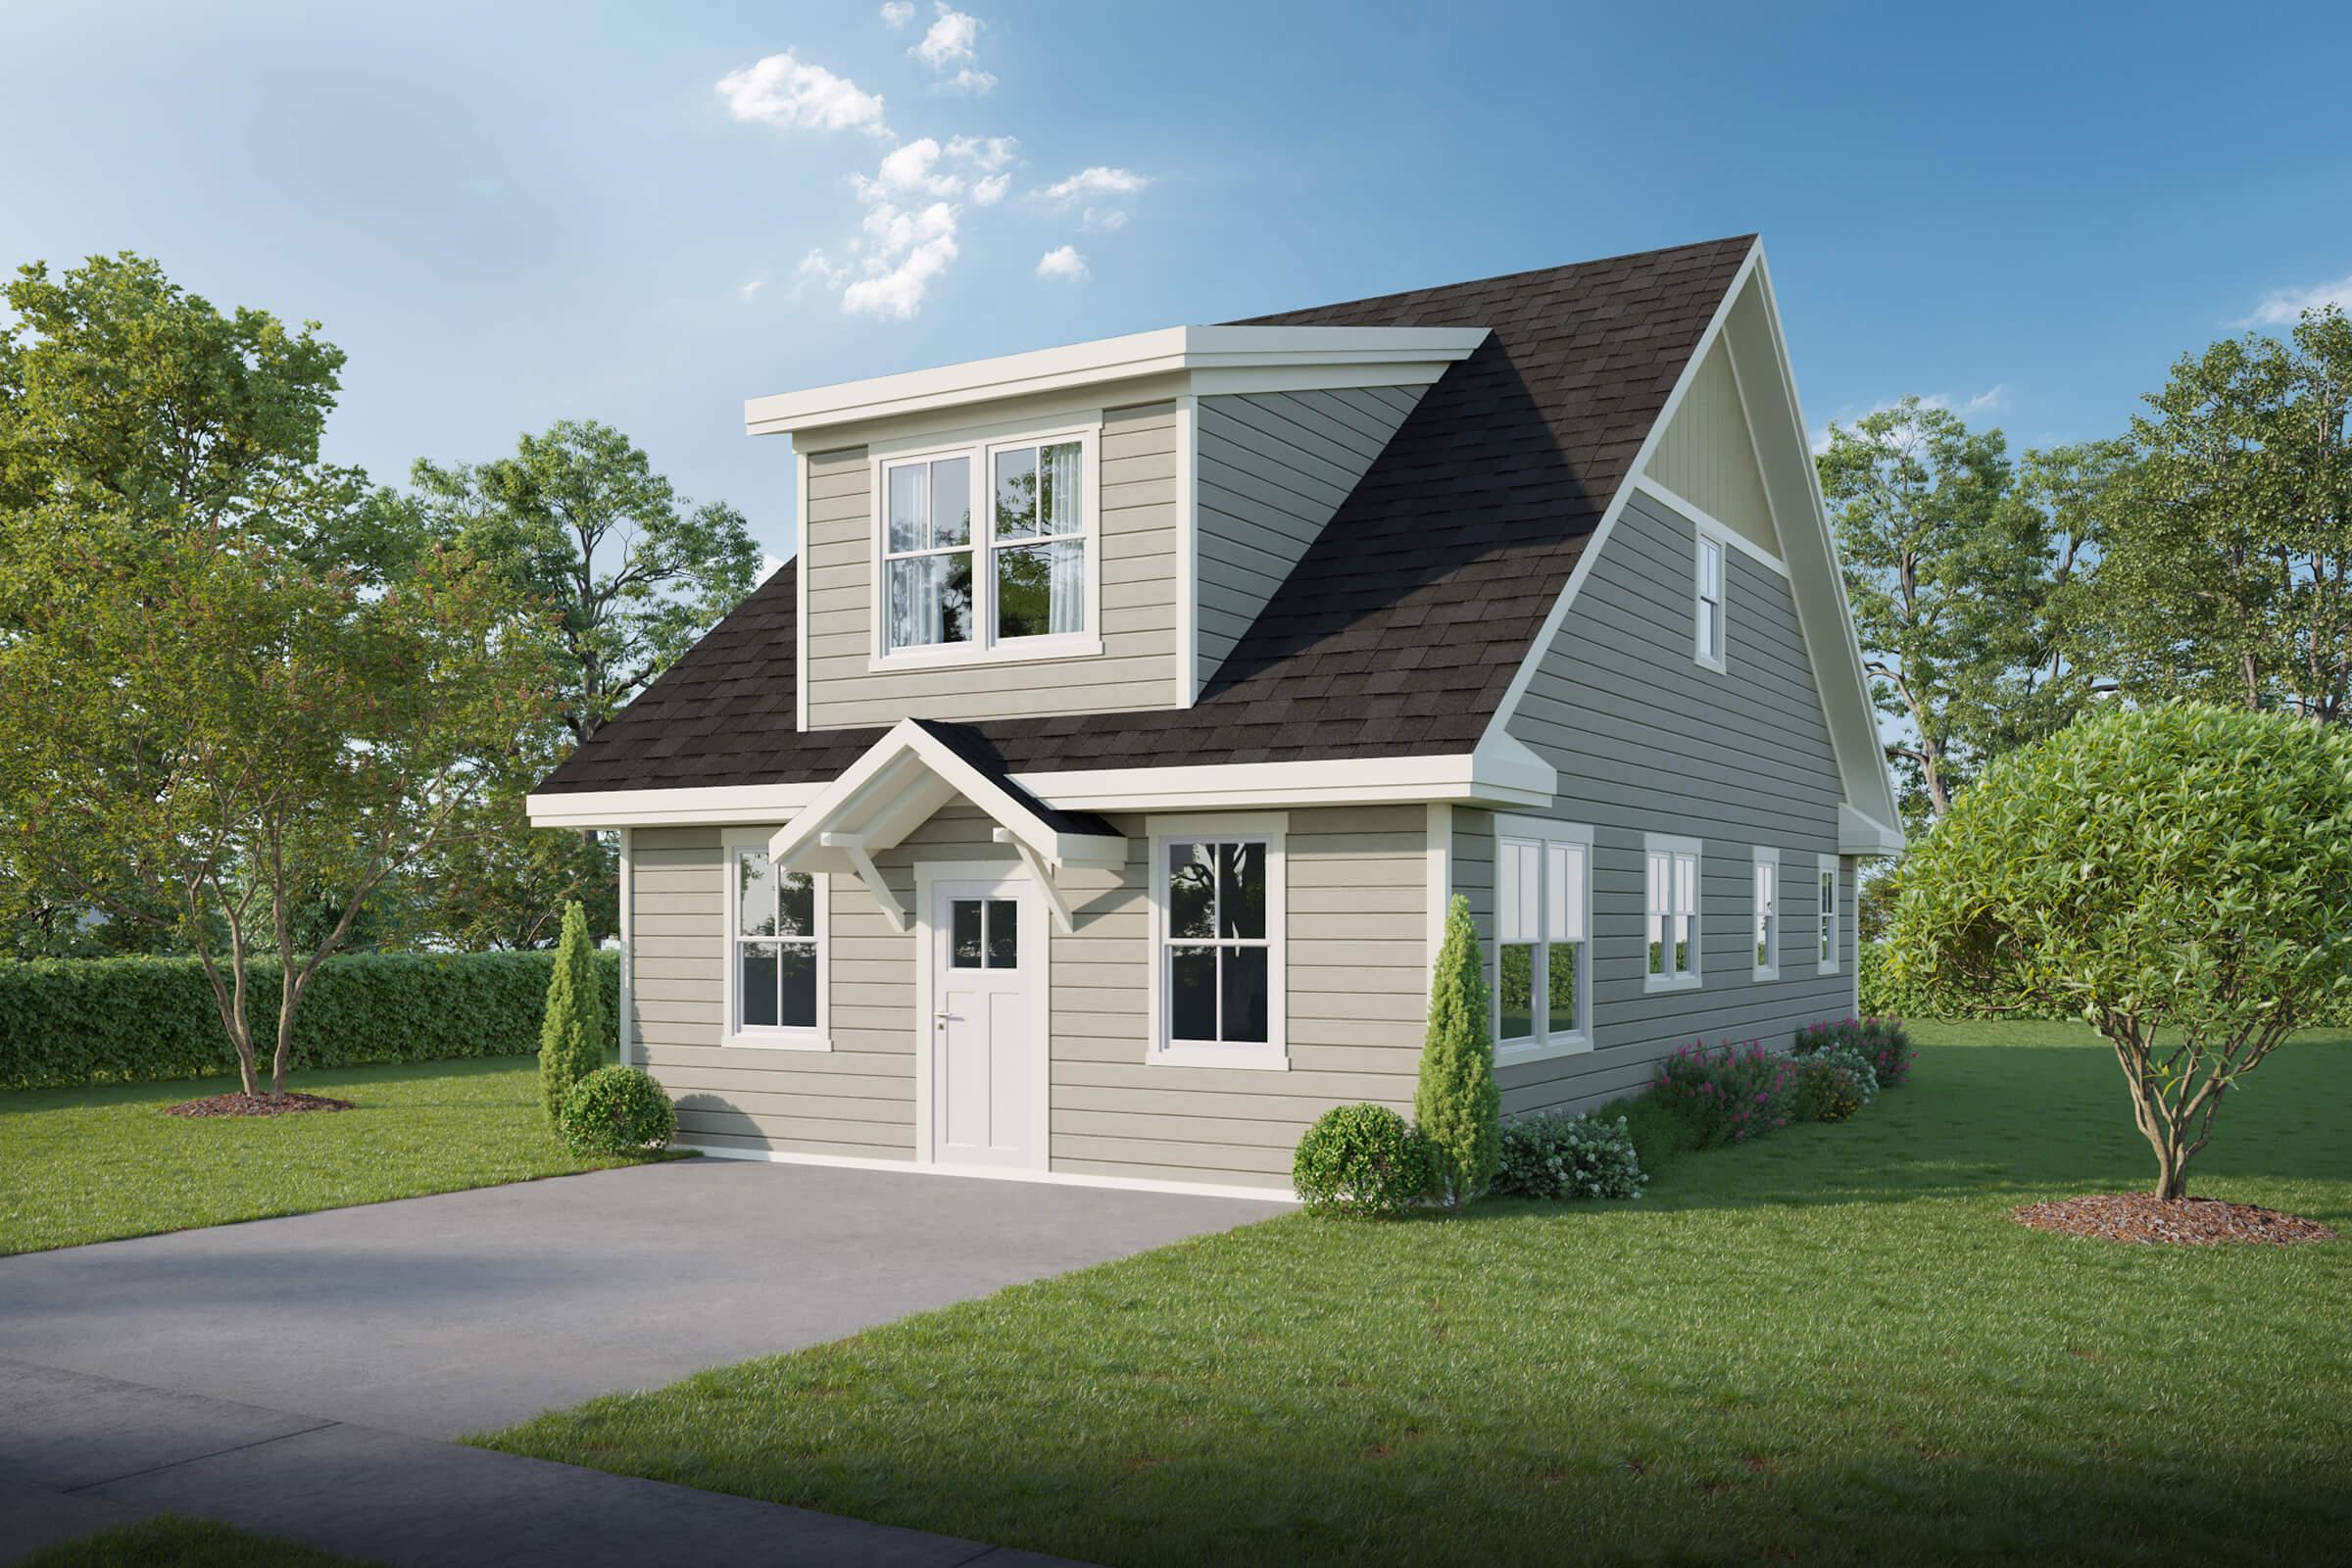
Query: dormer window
[(987, 550)]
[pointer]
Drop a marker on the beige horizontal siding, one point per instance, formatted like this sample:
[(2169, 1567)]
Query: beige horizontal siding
[(1707, 456), (1137, 667)]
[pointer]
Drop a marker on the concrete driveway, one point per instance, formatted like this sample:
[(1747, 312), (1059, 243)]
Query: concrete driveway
[(437, 1316)]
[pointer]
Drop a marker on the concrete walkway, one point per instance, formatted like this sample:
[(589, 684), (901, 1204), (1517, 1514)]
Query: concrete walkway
[(79, 1453), (300, 1376)]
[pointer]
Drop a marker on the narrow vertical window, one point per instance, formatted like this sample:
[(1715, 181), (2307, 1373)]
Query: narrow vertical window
[(1037, 541), (1828, 913), (927, 551), (1568, 887), (1711, 602), (1543, 889), (1216, 974), (1518, 938), (775, 946), (1673, 910), (1768, 915)]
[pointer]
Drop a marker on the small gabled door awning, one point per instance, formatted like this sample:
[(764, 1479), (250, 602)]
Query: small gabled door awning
[(908, 774)]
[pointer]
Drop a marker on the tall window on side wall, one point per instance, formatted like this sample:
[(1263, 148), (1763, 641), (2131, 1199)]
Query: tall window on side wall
[(1828, 913), (1710, 601), (775, 951), (1219, 937), (1544, 893), (1672, 913), (987, 551), (1768, 914)]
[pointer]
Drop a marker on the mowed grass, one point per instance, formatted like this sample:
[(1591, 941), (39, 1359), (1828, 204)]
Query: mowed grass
[(169, 1541), (93, 1164), (1832, 1346)]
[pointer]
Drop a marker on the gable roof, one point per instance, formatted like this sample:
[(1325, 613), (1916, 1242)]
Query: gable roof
[(1399, 630)]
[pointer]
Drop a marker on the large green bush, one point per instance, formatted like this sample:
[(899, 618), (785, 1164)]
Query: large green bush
[(617, 1111), (69, 1021), (2180, 877), (1361, 1160)]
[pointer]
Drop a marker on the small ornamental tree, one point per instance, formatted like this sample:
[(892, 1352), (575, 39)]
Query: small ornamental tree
[(1456, 1105), (571, 1041), (2180, 876)]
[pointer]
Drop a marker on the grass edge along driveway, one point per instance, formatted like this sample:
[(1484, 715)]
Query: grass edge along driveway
[(101, 1163), (1829, 1346)]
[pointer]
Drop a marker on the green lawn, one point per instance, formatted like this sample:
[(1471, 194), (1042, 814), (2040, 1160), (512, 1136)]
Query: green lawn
[(168, 1542), (91, 1164), (1828, 1347)]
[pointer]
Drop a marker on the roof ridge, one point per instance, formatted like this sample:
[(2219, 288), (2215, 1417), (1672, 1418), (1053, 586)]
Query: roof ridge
[(1748, 239)]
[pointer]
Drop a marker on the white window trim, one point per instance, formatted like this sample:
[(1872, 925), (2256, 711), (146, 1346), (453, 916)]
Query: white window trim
[(981, 447), (1543, 1044), (1701, 537), (1829, 868), (777, 1038), (1776, 930), (1667, 844), (1269, 827)]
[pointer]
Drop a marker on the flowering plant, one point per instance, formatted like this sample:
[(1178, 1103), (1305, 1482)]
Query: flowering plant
[(1729, 1094), (1558, 1155)]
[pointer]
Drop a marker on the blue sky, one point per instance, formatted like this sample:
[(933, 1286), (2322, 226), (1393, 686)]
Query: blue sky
[(560, 211)]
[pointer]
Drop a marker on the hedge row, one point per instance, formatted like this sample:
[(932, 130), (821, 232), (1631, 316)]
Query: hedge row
[(66, 1021)]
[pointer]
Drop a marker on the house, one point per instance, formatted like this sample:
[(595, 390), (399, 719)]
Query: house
[(1084, 803)]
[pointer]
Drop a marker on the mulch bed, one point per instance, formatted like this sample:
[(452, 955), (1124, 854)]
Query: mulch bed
[(255, 1105), (2147, 1219)]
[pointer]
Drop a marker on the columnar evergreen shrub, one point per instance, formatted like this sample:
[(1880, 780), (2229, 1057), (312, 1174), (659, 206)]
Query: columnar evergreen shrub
[(1731, 1094), (1361, 1160), (617, 1111), (66, 1022), (1557, 1155), (571, 1039), (1456, 1105)]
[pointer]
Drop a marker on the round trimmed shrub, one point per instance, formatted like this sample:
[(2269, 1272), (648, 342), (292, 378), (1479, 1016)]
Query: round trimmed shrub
[(617, 1111), (1361, 1159)]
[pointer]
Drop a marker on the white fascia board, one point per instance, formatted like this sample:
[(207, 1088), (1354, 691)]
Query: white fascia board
[(1861, 835), (1406, 352), (718, 802)]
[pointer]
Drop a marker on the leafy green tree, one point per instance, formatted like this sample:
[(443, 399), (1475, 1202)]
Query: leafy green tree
[(2228, 576), (2180, 876), (236, 695), (571, 1041), (1964, 572), (1457, 1107)]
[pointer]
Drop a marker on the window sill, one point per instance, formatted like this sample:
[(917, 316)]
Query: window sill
[(776, 1040), (1670, 982), (1718, 666), (1520, 1051), (1185, 1053), (1766, 974), (1020, 650), (1829, 968)]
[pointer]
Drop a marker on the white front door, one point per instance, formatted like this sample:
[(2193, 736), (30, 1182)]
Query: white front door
[(981, 1057)]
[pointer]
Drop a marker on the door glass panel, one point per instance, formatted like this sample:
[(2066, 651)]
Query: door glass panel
[(1191, 894), (964, 940), (1241, 891), (798, 965), (756, 988), (1003, 934), (1244, 994), (1193, 992)]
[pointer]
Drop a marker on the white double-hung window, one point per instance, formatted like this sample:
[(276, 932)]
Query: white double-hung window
[(1543, 952), (775, 963), (1671, 886), (1828, 913), (1768, 914), (1709, 601), (1218, 976), (988, 550)]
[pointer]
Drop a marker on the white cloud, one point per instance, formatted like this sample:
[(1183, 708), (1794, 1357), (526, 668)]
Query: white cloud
[(2284, 306), (1103, 218), (1096, 180), (1063, 263), (785, 91), (1993, 400), (889, 231), (913, 168), (769, 565), (751, 288), (990, 191), (990, 153), (976, 84), (949, 38), (897, 13), (898, 290)]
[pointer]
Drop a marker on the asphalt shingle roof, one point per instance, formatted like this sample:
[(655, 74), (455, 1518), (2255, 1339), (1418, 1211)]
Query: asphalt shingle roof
[(1398, 630)]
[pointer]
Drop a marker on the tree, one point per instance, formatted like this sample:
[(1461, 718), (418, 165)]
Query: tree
[(571, 1041), (580, 522), (1456, 1104), (2179, 875), (237, 694), (2227, 577)]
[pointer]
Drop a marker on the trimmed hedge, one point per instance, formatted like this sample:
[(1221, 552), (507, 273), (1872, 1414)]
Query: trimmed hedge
[(70, 1021)]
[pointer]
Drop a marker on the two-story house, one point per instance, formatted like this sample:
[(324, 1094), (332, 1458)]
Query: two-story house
[(1084, 801)]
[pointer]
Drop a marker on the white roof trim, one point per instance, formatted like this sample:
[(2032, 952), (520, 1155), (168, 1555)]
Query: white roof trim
[(1860, 835), (1404, 354)]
